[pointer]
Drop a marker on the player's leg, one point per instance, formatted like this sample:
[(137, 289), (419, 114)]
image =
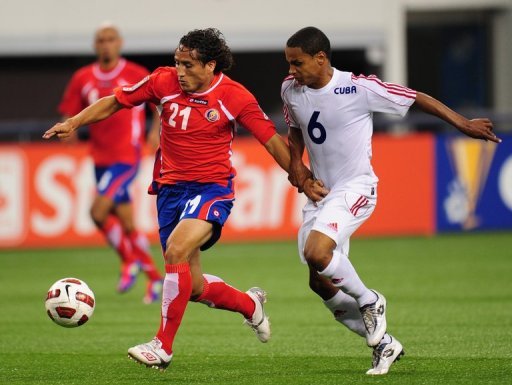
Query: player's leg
[(183, 242), (338, 217), (322, 256), (140, 248), (215, 293), (344, 308), (110, 226), (109, 181), (214, 204)]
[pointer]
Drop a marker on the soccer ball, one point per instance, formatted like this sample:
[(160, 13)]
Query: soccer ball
[(70, 302)]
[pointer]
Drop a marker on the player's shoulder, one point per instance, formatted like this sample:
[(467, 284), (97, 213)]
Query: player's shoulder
[(165, 80), (165, 74), (165, 71), (289, 84), (230, 87)]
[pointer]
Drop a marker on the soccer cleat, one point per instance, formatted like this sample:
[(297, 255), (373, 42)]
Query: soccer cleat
[(150, 354), (374, 318), (153, 291), (129, 273), (384, 355), (259, 321)]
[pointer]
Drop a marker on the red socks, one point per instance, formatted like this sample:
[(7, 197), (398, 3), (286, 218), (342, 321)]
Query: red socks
[(117, 239), (140, 247), (175, 296), (220, 295)]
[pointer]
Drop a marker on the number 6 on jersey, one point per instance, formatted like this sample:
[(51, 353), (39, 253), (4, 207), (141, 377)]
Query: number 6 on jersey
[(320, 129)]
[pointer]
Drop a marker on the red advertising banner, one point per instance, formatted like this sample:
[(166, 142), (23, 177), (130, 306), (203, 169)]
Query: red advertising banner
[(46, 191)]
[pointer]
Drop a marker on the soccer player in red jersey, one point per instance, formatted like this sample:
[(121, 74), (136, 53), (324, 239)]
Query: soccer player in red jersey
[(116, 145), (193, 176)]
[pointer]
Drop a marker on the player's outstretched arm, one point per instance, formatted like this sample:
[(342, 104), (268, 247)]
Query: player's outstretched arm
[(101, 109), (475, 128)]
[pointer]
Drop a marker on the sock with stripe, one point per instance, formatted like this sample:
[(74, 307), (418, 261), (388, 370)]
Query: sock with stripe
[(346, 311), (140, 247), (117, 239), (175, 295), (343, 275), (218, 294)]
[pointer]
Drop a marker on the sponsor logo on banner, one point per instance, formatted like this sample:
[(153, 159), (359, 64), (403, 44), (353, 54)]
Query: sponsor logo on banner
[(12, 189), (471, 161)]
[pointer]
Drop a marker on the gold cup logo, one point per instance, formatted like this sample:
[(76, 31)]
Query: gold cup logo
[(471, 161)]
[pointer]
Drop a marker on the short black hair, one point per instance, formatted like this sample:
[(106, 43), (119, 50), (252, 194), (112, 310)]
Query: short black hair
[(210, 45), (311, 40)]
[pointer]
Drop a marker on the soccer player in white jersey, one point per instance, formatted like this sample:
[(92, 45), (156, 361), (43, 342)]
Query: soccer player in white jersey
[(329, 112)]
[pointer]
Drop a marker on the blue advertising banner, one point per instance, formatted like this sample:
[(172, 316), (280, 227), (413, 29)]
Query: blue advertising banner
[(474, 184)]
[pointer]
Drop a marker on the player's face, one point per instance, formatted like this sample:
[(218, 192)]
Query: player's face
[(306, 69), (107, 44), (193, 75)]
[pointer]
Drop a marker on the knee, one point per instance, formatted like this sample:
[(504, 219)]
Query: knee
[(317, 257), (97, 216), (176, 253)]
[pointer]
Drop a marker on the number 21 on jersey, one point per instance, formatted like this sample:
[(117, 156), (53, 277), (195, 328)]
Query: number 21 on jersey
[(184, 113)]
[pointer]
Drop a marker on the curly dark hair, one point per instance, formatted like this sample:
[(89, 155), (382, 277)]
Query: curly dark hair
[(210, 45)]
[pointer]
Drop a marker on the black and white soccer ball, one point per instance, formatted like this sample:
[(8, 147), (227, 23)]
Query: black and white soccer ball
[(70, 302)]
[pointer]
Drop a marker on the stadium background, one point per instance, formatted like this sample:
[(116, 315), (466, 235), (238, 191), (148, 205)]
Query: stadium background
[(432, 180), (438, 245)]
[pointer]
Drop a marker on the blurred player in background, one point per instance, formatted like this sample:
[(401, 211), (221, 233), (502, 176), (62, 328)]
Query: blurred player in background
[(193, 176), (329, 112), (116, 145)]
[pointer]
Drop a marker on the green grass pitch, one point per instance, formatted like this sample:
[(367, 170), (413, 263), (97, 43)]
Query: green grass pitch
[(449, 303)]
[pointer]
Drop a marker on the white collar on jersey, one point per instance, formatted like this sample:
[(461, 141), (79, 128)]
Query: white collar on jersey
[(102, 75)]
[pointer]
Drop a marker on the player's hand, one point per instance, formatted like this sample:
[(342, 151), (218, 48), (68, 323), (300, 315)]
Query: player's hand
[(315, 189), (61, 130), (299, 173), (480, 129)]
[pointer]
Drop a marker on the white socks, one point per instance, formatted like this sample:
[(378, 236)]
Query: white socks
[(346, 311), (343, 275)]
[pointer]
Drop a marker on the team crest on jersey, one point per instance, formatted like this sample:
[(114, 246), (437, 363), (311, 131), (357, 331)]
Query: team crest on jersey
[(135, 86), (212, 115)]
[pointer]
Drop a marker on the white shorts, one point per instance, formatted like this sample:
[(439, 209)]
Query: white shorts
[(338, 215)]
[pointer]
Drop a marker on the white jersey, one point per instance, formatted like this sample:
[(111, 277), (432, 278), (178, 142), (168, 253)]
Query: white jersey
[(337, 125)]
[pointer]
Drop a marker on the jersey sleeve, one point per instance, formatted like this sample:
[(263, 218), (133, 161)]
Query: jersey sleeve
[(71, 103), (385, 97), (138, 93), (244, 108), (257, 122), (288, 114)]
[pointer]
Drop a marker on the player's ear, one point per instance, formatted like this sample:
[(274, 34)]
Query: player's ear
[(210, 66), (321, 57)]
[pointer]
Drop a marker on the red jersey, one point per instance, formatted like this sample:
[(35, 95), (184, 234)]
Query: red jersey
[(197, 128), (117, 139)]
